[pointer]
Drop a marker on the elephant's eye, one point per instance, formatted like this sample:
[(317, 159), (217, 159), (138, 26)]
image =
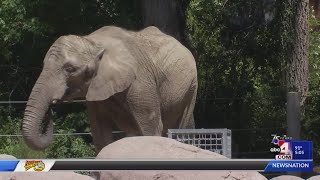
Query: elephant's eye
[(70, 69)]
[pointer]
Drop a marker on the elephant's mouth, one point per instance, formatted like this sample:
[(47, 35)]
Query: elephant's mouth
[(72, 93), (69, 95)]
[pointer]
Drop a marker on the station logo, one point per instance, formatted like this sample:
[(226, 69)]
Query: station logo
[(36, 165), (281, 147)]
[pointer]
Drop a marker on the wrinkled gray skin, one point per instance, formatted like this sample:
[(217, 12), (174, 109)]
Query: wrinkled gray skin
[(145, 82)]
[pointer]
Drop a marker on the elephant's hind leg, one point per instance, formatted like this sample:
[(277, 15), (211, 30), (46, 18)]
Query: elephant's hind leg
[(100, 124), (187, 120), (144, 103)]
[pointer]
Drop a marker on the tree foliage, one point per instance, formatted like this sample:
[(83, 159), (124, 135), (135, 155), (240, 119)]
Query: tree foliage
[(242, 50), (15, 25)]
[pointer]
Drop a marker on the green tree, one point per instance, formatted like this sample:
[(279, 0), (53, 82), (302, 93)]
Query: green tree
[(242, 49), (311, 119)]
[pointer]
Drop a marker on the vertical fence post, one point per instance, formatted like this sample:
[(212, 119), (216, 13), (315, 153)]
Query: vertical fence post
[(293, 115), (293, 119)]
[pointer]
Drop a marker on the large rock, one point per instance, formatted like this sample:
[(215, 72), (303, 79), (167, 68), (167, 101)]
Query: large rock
[(39, 175), (6, 156), (181, 175), (315, 177), (154, 147), (150, 147), (286, 177), (49, 176)]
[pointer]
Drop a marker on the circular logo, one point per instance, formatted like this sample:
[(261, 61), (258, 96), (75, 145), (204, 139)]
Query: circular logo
[(275, 141), (275, 149)]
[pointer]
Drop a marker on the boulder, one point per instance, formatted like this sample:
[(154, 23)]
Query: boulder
[(44, 176), (6, 156), (49, 176), (151, 147), (180, 175), (286, 177), (154, 147), (315, 177)]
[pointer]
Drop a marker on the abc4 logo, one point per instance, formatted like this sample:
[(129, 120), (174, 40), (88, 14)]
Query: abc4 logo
[(281, 148)]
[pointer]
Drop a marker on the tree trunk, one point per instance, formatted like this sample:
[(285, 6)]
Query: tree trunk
[(168, 16), (297, 69)]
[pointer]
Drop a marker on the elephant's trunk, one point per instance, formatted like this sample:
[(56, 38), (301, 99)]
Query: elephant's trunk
[(37, 127)]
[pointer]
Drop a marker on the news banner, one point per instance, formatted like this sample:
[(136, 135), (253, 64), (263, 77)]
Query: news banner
[(290, 156)]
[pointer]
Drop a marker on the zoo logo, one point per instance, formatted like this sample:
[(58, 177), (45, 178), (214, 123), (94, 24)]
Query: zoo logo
[(36, 165)]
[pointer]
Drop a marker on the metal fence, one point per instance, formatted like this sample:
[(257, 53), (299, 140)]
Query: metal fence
[(239, 148), (215, 140)]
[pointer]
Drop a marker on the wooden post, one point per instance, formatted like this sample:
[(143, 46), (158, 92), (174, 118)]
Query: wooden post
[(293, 120)]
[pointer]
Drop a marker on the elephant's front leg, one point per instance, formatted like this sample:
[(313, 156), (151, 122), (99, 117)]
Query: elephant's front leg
[(100, 124)]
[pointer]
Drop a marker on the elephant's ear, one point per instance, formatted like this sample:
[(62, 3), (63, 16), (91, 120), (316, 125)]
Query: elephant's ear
[(116, 71)]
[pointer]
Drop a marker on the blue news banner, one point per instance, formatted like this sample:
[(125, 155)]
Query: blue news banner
[(296, 158)]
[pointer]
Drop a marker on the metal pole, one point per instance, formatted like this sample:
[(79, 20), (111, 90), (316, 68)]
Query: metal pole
[(293, 115)]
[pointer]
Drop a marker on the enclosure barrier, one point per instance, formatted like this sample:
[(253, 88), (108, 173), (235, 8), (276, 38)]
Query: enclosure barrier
[(215, 140), (293, 126)]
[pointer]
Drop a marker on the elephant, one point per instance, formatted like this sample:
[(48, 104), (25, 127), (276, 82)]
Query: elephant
[(143, 82)]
